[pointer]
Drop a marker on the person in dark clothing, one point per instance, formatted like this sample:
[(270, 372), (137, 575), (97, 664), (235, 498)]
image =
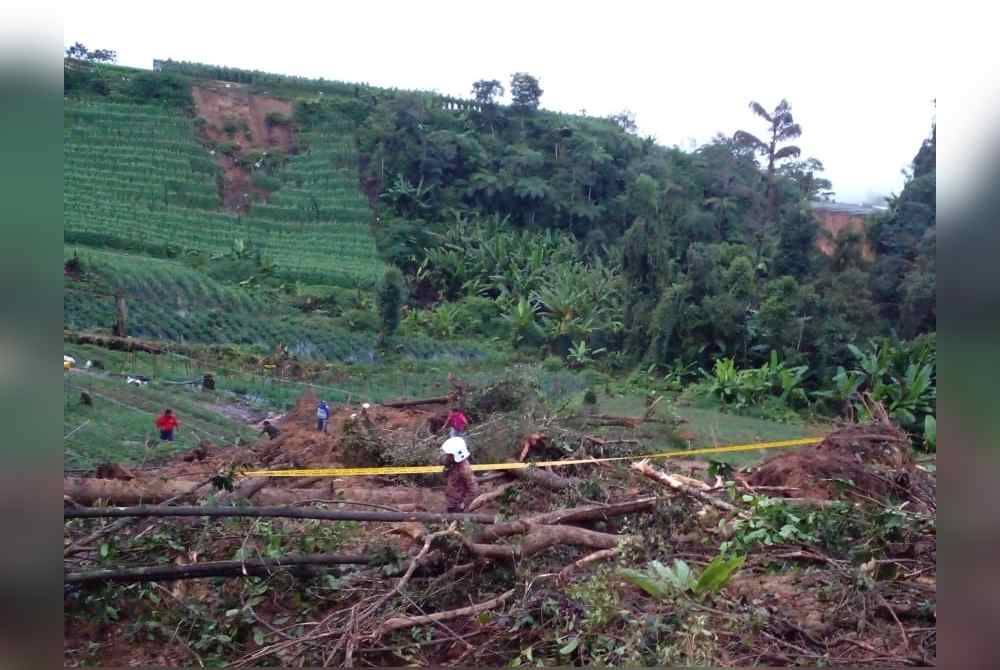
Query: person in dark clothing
[(460, 484), (271, 431), (166, 423)]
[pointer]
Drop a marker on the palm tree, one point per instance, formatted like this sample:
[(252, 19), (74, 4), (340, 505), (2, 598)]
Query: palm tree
[(782, 128)]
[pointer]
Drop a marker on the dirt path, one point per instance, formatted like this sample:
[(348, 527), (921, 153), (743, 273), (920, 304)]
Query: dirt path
[(235, 116)]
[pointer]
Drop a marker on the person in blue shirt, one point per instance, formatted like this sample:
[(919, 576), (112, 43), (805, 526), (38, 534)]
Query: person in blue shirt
[(322, 416)]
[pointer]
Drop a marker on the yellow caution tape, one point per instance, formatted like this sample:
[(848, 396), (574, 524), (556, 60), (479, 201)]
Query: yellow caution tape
[(432, 469)]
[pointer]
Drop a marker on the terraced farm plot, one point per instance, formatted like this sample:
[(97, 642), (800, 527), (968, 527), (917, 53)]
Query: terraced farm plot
[(118, 426), (137, 178)]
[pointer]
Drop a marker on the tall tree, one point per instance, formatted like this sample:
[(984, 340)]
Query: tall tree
[(390, 301), (81, 52), (781, 129), (525, 92), (486, 92)]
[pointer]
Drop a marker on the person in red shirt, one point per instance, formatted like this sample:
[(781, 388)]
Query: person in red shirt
[(457, 422), (166, 423)]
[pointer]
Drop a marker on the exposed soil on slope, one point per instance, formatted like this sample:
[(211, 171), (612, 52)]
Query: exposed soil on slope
[(836, 223), (224, 103), (872, 460)]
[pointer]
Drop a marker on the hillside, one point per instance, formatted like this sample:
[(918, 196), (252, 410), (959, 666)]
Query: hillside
[(700, 420)]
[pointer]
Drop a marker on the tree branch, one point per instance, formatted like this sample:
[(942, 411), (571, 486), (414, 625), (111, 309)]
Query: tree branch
[(408, 622), (254, 568)]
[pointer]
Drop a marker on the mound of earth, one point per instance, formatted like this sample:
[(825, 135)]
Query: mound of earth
[(872, 460)]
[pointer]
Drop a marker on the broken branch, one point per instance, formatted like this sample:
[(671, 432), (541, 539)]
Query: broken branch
[(160, 573), (408, 622)]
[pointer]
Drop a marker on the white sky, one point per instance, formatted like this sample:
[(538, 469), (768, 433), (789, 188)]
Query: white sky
[(859, 81)]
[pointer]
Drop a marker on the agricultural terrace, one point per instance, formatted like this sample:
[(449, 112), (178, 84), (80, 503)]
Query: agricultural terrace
[(137, 178), (170, 301)]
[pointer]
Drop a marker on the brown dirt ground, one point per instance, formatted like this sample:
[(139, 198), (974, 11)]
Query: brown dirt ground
[(299, 444), (218, 102), (873, 460)]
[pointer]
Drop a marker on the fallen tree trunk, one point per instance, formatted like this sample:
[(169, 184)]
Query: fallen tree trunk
[(594, 512), (257, 512), (114, 343), (565, 516), (88, 491), (398, 623), (253, 568), (400, 404), (540, 538)]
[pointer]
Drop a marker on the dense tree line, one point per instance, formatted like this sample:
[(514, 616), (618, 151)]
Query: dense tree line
[(714, 250)]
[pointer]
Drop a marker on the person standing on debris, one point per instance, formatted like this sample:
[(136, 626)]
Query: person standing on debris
[(166, 423), (271, 431), (460, 484), (322, 415), (456, 422)]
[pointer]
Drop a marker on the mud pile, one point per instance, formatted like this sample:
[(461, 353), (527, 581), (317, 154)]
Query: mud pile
[(869, 460)]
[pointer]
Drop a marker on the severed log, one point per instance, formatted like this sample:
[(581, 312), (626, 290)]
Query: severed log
[(545, 478), (400, 404), (258, 512), (88, 491), (540, 538), (594, 512), (608, 420), (249, 568), (116, 343), (677, 484), (566, 516), (398, 623)]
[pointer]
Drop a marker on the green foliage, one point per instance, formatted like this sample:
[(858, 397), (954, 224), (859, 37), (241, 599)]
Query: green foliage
[(161, 88), (840, 529), (773, 381), (901, 376), (771, 522), (580, 356), (662, 582), (525, 91), (390, 300), (599, 599), (553, 363)]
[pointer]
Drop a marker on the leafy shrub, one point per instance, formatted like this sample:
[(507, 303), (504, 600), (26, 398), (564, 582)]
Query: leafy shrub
[(553, 364), (661, 582), (390, 299), (360, 319), (590, 398), (161, 87)]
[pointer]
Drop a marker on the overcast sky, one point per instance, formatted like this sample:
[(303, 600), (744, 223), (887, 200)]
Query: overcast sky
[(860, 84)]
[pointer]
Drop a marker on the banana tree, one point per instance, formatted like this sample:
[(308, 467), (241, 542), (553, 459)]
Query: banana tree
[(522, 320), (580, 355)]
